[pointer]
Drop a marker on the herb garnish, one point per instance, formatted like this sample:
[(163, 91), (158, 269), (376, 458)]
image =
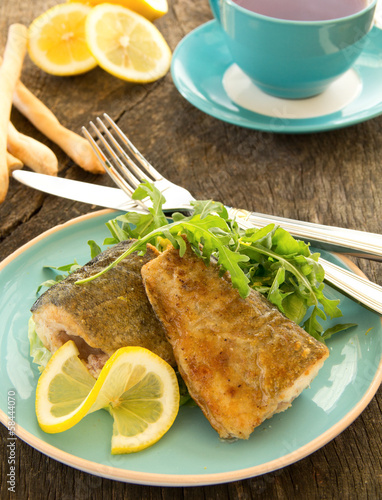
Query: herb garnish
[(268, 260), (66, 269)]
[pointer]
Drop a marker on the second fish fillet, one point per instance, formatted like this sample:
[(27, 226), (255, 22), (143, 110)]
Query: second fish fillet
[(241, 359)]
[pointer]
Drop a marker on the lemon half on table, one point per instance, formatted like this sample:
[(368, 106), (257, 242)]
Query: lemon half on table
[(126, 44), (138, 388), (57, 42)]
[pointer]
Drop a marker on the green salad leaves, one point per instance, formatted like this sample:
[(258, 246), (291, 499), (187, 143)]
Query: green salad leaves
[(268, 260), (40, 354), (65, 270)]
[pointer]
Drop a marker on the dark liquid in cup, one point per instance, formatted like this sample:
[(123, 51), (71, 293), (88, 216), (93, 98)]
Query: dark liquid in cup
[(304, 10)]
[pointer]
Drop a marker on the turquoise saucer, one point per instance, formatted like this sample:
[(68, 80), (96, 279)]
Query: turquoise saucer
[(201, 61)]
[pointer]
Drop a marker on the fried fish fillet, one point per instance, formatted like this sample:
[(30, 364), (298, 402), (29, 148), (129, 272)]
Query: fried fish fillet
[(102, 315), (242, 360)]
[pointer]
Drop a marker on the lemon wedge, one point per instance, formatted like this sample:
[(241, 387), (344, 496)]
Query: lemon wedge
[(150, 9), (63, 394), (126, 44), (57, 42), (138, 388)]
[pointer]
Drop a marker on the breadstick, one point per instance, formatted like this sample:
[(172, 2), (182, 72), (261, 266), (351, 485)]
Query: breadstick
[(9, 74), (32, 153), (13, 163), (43, 119)]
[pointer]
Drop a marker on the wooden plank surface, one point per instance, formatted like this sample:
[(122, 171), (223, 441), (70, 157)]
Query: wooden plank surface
[(331, 178)]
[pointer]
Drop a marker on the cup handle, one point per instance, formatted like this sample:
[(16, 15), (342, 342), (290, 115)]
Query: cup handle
[(214, 4)]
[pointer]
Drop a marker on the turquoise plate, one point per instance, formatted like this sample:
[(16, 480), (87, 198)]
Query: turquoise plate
[(201, 59), (191, 452)]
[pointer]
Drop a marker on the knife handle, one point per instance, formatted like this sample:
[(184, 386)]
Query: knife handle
[(335, 239)]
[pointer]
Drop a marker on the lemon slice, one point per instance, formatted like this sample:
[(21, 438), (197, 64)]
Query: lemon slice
[(126, 44), (64, 390), (137, 387), (150, 9), (57, 42)]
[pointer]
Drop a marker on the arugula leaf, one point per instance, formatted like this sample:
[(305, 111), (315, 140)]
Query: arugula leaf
[(275, 294), (49, 283), (134, 225), (206, 207), (66, 269), (156, 217), (330, 306), (335, 329), (118, 233), (313, 326), (294, 306), (94, 249)]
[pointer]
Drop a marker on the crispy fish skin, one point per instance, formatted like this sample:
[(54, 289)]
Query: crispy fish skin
[(102, 315), (241, 359)]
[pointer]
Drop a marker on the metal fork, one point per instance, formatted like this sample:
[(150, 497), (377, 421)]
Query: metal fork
[(128, 168)]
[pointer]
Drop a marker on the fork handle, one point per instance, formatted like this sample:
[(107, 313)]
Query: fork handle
[(366, 292), (337, 239)]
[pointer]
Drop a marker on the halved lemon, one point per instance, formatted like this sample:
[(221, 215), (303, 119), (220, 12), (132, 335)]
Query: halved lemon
[(150, 9), (137, 387), (126, 44), (57, 42)]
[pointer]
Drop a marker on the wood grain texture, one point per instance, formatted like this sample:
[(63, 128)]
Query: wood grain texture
[(331, 178)]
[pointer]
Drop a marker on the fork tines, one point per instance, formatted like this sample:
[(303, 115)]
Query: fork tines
[(116, 152)]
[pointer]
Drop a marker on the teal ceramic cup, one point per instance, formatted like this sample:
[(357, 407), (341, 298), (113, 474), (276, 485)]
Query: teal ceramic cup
[(292, 59)]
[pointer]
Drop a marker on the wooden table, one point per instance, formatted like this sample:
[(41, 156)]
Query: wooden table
[(331, 178)]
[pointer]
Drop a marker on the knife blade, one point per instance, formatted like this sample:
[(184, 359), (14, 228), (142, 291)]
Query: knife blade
[(93, 194)]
